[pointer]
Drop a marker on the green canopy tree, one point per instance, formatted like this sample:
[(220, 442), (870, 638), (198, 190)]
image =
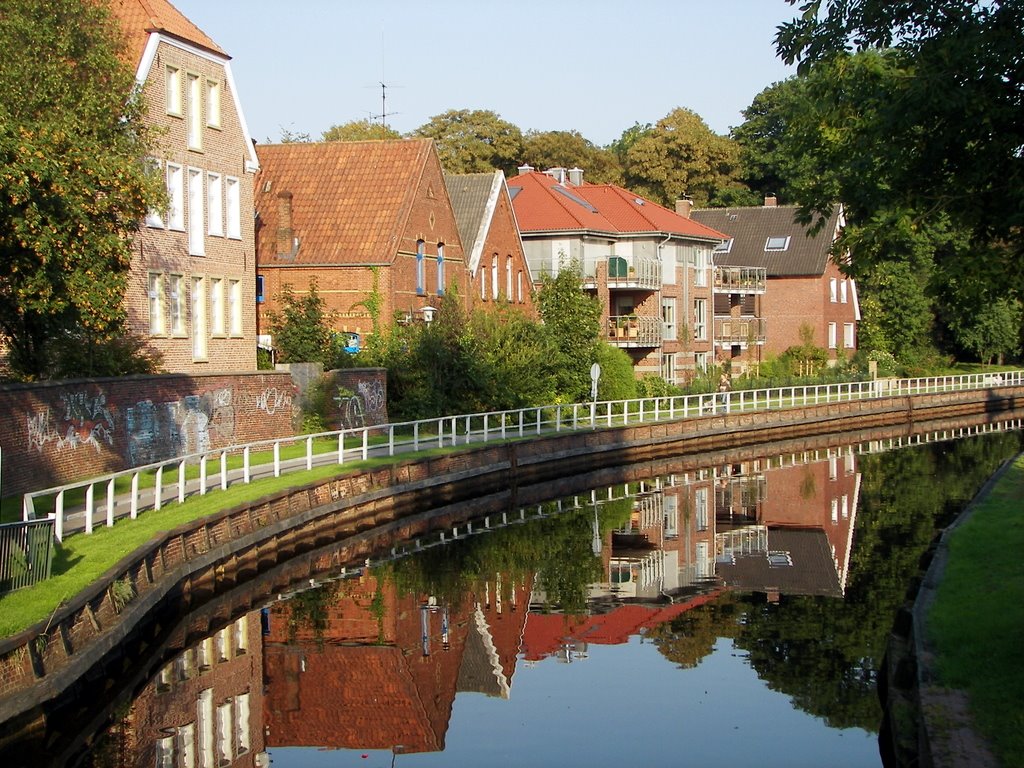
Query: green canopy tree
[(74, 183), (474, 141), (572, 318), (568, 149), (360, 130), (301, 328)]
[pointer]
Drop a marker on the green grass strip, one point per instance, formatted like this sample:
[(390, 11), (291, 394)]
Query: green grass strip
[(977, 620)]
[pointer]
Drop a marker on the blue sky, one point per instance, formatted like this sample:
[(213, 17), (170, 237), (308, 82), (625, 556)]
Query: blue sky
[(596, 67)]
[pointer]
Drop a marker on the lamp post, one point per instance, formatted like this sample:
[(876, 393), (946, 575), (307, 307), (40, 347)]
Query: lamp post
[(428, 313)]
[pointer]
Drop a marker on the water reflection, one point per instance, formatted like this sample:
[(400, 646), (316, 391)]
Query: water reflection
[(680, 599)]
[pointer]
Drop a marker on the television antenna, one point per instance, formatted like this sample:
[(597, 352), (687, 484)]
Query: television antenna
[(383, 85)]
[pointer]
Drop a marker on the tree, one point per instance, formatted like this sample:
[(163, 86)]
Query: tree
[(474, 141), (992, 330), (301, 328), (572, 318), (74, 183), (762, 136), (360, 130), (568, 149), (680, 156)]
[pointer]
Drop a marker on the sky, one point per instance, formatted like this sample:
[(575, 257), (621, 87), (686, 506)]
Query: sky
[(596, 67)]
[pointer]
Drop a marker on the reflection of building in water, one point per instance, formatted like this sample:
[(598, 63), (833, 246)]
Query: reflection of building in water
[(382, 669), (205, 707)]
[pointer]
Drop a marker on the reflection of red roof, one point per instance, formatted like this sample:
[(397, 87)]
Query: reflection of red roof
[(546, 634), (543, 205)]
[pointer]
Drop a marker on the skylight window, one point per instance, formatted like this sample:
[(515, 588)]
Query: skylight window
[(777, 243), (724, 247)]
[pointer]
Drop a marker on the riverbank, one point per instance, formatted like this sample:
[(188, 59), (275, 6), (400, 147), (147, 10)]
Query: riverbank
[(953, 691)]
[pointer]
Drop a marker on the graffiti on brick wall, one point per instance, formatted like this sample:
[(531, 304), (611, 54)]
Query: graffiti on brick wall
[(364, 407), (193, 424), (271, 400), (84, 420)]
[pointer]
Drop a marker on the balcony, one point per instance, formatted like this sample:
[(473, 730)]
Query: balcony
[(636, 272), (740, 279), (634, 331), (739, 331)]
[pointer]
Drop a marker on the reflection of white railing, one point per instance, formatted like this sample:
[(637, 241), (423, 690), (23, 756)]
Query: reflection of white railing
[(169, 481), (634, 330)]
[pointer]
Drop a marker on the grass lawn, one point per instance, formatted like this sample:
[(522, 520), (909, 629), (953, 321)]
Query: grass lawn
[(978, 615)]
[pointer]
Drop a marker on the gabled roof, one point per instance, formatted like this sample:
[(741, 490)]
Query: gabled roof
[(350, 199), (751, 228), (474, 198), (542, 204), (141, 18)]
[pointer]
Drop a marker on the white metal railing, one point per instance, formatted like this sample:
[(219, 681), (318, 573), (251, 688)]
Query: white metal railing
[(173, 481)]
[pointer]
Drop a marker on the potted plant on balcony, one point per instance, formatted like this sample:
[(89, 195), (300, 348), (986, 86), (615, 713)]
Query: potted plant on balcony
[(632, 326)]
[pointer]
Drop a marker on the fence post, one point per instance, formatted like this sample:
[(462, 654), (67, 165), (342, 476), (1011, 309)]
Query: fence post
[(158, 487), (366, 443), (223, 470), (89, 494), (58, 522), (181, 481), (110, 502), (309, 453), (277, 458)]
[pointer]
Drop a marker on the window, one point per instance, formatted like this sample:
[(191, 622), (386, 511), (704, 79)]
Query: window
[(700, 360), (153, 216), (420, 290), (483, 284), (225, 731), (194, 109), (508, 278), (668, 367), (235, 306), (196, 228), (204, 719), (198, 319), (186, 746), (204, 653), (234, 207), (835, 510), (215, 204), (668, 321), (156, 304), (519, 286), (260, 295), (845, 506), (779, 560), (848, 338), (242, 723), (700, 319), (216, 306), (176, 284), (440, 269), (213, 103), (494, 277), (778, 243), (832, 290), (173, 77), (831, 335), (175, 197), (842, 291), (700, 267), (241, 635), (724, 247)]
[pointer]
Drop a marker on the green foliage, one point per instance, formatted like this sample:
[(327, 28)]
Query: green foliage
[(360, 130), (301, 327), (572, 319), (518, 359), (474, 141), (568, 149), (655, 386), (264, 359), (617, 380), (74, 183), (991, 330)]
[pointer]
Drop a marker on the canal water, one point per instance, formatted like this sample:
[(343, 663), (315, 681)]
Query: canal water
[(734, 614)]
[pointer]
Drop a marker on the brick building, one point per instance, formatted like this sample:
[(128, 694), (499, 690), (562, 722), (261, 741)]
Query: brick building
[(192, 276), (346, 214), (806, 289), (490, 237), (649, 267)]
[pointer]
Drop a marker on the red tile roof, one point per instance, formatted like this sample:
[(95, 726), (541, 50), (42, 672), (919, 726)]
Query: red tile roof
[(140, 18), (544, 205), (350, 199)]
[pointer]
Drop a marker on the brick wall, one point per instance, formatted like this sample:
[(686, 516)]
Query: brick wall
[(53, 433)]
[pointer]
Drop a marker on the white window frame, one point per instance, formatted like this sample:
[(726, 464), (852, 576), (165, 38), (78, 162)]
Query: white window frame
[(421, 255), (440, 269), (508, 278), (483, 283), (217, 321), (668, 367), (215, 203), (196, 217), (668, 320), (233, 206), (175, 197), (832, 340), (842, 292), (235, 307), (194, 111), (187, 746), (199, 320), (154, 218), (495, 287), (833, 291), (700, 361), (176, 289), (519, 286), (213, 103), (172, 76), (205, 723), (157, 311), (776, 243), (700, 267), (724, 247), (849, 338), (700, 319), (242, 723)]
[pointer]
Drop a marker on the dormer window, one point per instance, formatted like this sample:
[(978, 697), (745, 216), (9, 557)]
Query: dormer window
[(777, 243), (725, 246)]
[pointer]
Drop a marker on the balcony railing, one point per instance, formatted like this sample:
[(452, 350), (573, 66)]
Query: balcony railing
[(634, 330), (624, 272), (730, 331), (740, 279)]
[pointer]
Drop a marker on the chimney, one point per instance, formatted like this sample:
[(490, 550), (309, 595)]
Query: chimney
[(525, 168), (285, 233), (558, 174), (684, 205), (576, 176), (770, 201)]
